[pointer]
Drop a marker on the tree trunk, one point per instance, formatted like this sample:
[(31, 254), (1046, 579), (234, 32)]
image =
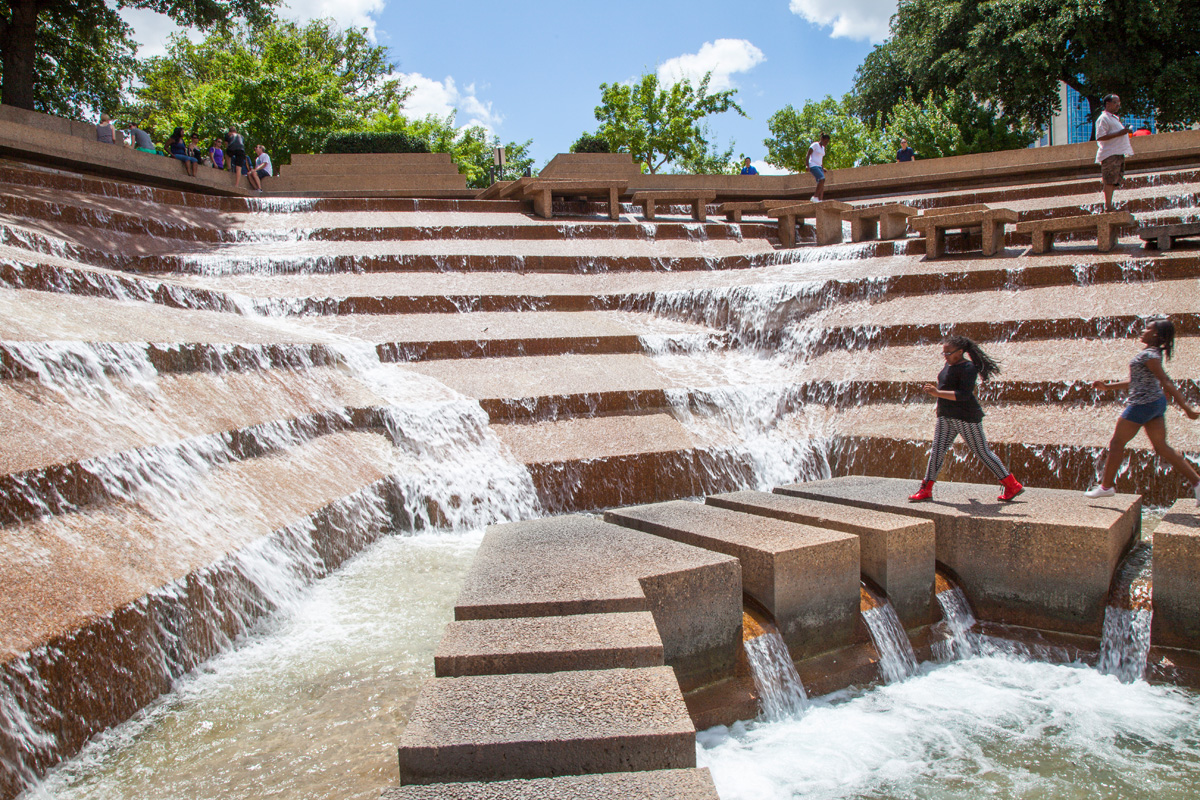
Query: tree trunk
[(18, 40)]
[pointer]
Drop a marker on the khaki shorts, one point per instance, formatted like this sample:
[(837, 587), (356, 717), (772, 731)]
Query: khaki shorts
[(1112, 169)]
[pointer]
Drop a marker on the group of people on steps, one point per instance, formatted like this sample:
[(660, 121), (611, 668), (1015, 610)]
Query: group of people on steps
[(1150, 388)]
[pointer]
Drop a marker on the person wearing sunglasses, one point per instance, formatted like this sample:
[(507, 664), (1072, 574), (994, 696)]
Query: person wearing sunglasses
[(959, 414), (1146, 407)]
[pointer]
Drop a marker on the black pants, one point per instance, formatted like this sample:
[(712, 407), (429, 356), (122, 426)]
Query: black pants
[(948, 429)]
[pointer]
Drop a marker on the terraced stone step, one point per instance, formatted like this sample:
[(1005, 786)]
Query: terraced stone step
[(1060, 547), (673, 784), (546, 232), (502, 727)]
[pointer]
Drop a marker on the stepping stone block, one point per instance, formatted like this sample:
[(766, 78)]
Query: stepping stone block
[(1043, 561), (578, 565), (665, 784), (1176, 578), (807, 577), (896, 552), (548, 644), (499, 727)]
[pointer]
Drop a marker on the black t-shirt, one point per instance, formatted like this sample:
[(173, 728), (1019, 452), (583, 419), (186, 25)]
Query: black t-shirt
[(905, 155), (960, 379), (234, 143)]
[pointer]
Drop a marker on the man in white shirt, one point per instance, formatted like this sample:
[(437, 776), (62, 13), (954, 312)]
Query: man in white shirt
[(816, 161), (262, 167), (1112, 145)]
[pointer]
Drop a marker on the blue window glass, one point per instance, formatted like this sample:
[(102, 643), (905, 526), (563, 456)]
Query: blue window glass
[(1080, 125)]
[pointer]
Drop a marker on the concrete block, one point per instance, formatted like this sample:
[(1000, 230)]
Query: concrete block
[(499, 727), (665, 784), (896, 552), (1043, 561), (548, 644), (579, 565), (1176, 578), (807, 577)]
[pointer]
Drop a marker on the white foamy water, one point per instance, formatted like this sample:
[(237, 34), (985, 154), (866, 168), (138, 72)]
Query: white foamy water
[(987, 727), (309, 705), (896, 657), (780, 691), (1125, 643)]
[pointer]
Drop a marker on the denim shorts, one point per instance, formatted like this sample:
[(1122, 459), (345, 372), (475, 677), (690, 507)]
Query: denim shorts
[(818, 173), (1141, 413)]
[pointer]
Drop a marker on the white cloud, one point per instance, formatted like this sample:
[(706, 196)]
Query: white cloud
[(442, 97), (151, 29), (850, 19), (723, 58), (766, 169)]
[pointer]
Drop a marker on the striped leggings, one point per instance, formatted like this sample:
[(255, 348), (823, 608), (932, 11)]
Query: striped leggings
[(948, 429)]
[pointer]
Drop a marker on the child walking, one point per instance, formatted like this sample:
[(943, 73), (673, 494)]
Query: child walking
[(959, 414), (1146, 407)]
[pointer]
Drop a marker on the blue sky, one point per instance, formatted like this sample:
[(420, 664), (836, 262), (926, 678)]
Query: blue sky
[(532, 69)]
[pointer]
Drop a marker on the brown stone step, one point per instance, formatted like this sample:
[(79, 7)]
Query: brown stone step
[(568, 565), (671, 784), (1176, 565), (1043, 561), (501, 727)]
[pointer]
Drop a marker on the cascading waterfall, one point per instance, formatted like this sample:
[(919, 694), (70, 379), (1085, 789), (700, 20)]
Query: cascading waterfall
[(897, 660), (959, 620), (780, 692), (1125, 640)]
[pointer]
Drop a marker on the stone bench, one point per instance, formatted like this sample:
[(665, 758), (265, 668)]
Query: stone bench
[(578, 565), (733, 210), (542, 192), (548, 644), (806, 577), (501, 727), (1042, 231), (828, 215), (896, 552), (676, 784), (879, 222), (1176, 578), (991, 221), (1163, 237), (698, 200), (1043, 561)]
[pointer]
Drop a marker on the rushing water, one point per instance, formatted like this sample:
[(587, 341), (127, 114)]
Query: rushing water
[(958, 619), (780, 691), (310, 705), (896, 657), (984, 727)]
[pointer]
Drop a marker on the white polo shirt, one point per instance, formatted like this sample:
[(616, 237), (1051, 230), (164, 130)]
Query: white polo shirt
[(1108, 123), (817, 157)]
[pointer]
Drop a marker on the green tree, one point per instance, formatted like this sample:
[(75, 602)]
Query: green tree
[(853, 142), (660, 124), (470, 146), (953, 126), (1011, 55), (52, 52), (287, 86), (590, 143)]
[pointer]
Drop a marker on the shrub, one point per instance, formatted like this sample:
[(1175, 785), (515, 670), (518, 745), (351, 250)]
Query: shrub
[(373, 142), (590, 143)]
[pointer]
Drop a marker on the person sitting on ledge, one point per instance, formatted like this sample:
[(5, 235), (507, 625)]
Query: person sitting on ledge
[(747, 167), (1146, 407), (179, 150), (196, 151), (106, 133), (262, 167), (141, 139), (959, 414), (216, 156)]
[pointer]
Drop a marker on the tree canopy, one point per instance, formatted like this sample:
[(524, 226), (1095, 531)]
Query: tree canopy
[(67, 55), (1010, 56), (286, 86), (852, 142), (661, 124)]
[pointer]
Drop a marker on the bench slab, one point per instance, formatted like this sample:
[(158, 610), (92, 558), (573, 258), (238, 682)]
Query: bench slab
[(879, 222), (991, 221), (698, 200), (1163, 236), (827, 213), (1043, 230)]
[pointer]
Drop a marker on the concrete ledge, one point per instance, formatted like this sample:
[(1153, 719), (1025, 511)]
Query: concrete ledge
[(666, 784), (497, 727), (578, 565), (1176, 578), (808, 578), (1043, 561), (548, 644), (896, 552)]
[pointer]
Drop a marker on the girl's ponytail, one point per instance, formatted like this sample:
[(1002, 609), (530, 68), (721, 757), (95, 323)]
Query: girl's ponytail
[(986, 365)]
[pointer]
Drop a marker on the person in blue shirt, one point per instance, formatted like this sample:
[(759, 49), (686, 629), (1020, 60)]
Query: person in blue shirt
[(905, 153), (747, 168)]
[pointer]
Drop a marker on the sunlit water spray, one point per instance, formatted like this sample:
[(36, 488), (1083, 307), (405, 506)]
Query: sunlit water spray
[(780, 692)]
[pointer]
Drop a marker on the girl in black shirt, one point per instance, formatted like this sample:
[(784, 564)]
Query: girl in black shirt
[(959, 414)]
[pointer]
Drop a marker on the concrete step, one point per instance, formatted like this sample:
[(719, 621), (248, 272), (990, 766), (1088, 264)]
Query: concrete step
[(673, 784), (503, 727)]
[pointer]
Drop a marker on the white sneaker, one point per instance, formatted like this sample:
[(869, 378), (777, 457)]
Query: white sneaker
[(1099, 491)]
